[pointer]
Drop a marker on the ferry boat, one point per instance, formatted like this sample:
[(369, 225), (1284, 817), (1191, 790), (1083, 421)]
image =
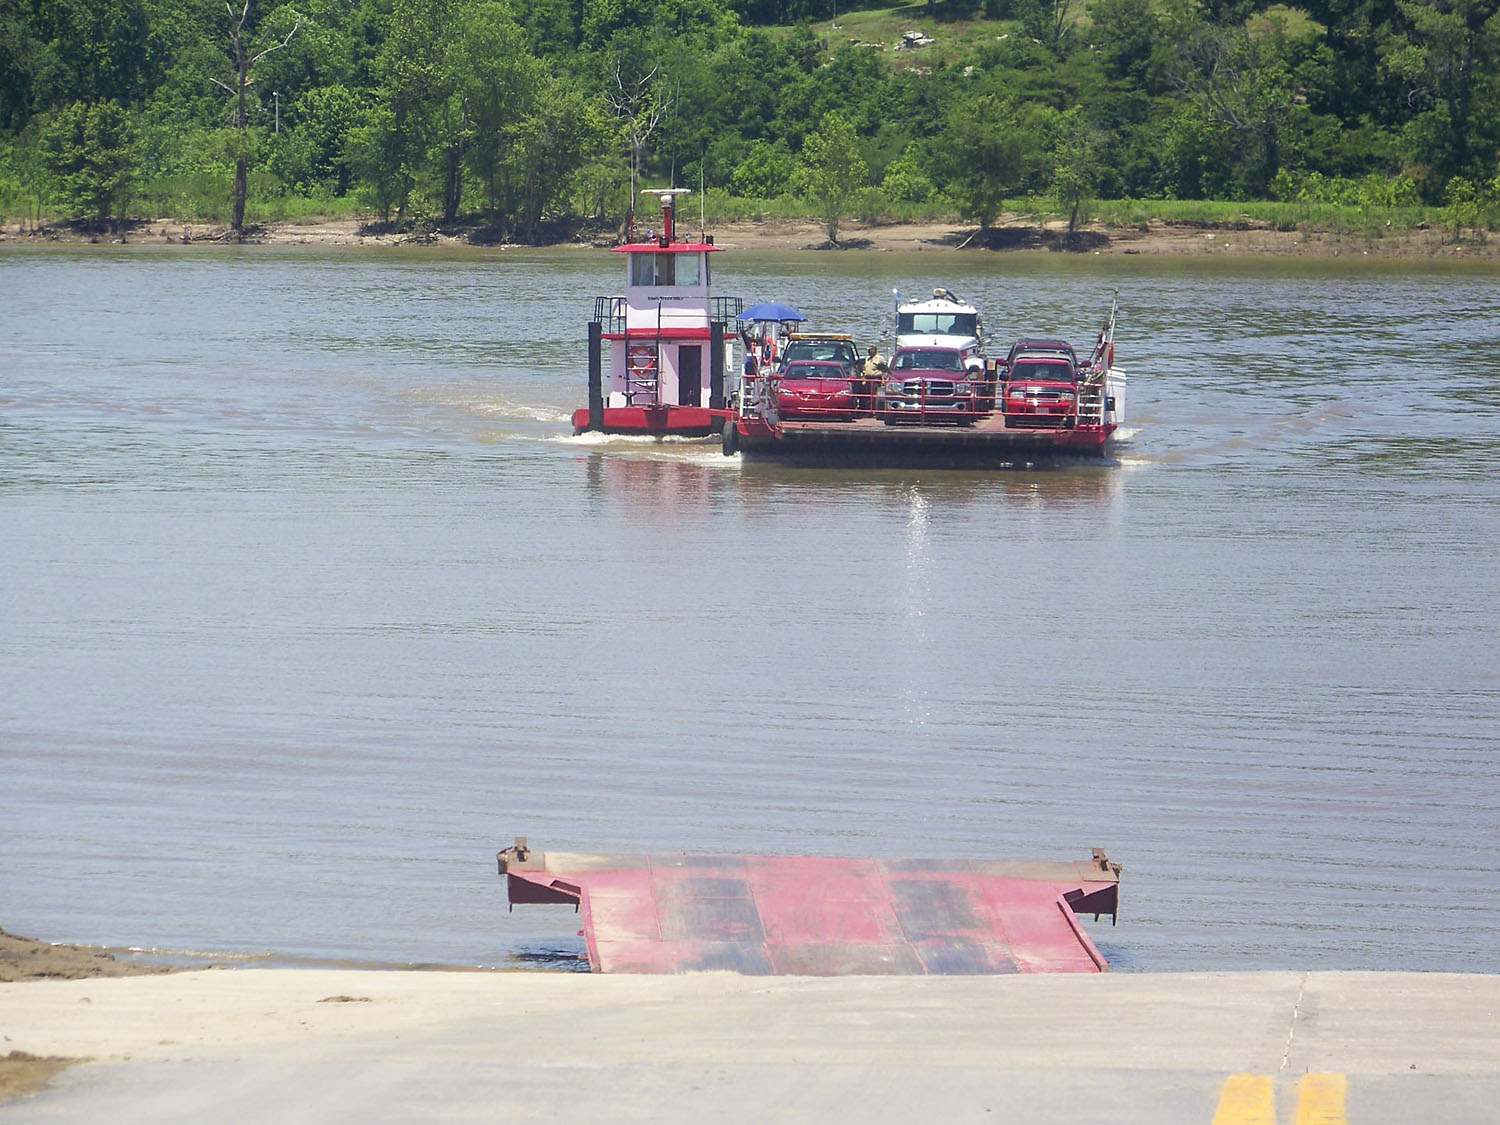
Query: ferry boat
[(661, 352), (942, 402)]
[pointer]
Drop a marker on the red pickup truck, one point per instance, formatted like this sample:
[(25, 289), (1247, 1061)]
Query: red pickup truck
[(1040, 385)]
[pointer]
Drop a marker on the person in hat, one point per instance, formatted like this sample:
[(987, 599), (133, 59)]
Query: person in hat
[(873, 369)]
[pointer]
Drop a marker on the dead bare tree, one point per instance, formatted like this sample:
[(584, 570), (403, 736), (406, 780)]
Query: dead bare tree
[(244, 61), (640, 104)]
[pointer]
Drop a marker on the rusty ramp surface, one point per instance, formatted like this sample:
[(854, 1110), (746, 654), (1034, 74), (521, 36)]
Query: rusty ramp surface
[(822, 916)]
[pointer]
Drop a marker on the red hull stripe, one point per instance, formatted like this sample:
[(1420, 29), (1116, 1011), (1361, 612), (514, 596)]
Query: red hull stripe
[(667, 334), (679, 421)]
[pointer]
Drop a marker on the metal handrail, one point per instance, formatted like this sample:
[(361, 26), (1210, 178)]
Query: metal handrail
[(609, 312)]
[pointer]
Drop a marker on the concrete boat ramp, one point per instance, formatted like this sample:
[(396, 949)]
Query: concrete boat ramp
[(289, 1046), (889, 990)]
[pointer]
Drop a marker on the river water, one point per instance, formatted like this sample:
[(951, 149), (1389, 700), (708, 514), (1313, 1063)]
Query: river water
[(311, 603)]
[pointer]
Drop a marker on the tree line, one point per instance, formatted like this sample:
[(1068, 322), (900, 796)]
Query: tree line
[(509, 113)]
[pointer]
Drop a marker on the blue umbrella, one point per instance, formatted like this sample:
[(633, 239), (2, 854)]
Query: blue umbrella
[(771, 310)]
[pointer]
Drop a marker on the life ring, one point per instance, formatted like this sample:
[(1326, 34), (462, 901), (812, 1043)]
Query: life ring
[(642, 359)]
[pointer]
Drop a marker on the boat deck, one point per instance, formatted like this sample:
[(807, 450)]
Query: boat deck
[(822, 916)]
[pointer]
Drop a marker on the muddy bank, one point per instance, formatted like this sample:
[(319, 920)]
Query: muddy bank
[(1011, 235), (25, 959)]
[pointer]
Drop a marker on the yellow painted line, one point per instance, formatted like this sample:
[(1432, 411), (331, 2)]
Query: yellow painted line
[(1320, 1099), (1246, 1100)]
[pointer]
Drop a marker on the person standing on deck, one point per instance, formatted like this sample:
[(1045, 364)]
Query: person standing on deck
[(873, 370)]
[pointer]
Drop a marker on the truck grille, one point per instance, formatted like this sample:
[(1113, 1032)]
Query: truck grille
[(936, 388)]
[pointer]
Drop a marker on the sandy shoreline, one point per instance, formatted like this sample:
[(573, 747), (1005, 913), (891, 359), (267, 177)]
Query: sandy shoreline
[(1011, 235)]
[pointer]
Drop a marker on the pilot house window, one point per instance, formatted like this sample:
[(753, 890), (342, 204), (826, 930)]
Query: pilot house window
[(664, 269)]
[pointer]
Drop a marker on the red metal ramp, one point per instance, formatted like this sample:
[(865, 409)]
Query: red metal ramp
[(822, 916)]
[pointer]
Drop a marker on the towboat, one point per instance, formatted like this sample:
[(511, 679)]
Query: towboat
[(660, 353), (942, 402)]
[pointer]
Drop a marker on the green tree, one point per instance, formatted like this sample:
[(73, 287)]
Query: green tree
[(831, 169), (640, 95), (1462, 205), (1447, 60), (983, 153), (413, 124), (905, 181), (564, 132), (1242, 82), (1075, 166), (1127, 34), (1044, 20), (765, 172), (88, 154), (56, 52), (498, 82), (244, 57), (311, 154), (378, 152)]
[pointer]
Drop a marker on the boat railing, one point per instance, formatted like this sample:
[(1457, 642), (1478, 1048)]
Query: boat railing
[(1091, 398), (726, 309), (609, 314), (637, 388), (755, 395)]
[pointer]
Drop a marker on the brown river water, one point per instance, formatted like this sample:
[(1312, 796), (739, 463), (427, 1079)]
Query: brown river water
[(311, 602)]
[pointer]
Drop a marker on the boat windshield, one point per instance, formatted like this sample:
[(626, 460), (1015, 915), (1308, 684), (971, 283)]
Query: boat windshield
[(665, 269), (938, 324)]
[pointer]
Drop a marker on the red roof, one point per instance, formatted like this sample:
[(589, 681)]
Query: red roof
[(658, 248)]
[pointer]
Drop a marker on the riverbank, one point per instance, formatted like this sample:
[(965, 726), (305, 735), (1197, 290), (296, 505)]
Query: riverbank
[(1012, 234), (314, 1045), (26, 959)]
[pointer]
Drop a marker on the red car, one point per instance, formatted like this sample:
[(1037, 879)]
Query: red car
[(815, 389), (1041, 391)]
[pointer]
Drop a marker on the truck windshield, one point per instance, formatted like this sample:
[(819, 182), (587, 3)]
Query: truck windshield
[(932, 359), (1032, 369), (938, 324), (806, 350)]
